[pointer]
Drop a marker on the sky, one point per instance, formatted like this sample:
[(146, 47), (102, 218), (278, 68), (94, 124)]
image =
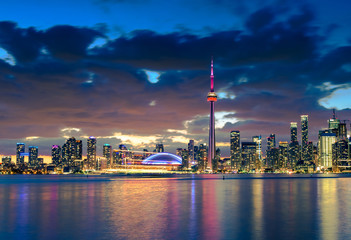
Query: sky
[(138, 72)]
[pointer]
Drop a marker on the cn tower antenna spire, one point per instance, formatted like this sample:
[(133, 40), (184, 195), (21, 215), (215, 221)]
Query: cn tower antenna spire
[(212, 77)]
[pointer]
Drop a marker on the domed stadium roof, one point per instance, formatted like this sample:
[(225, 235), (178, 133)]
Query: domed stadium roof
[(163, 159)]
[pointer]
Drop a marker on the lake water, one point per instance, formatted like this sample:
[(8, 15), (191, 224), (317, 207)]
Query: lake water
[(183, 207)]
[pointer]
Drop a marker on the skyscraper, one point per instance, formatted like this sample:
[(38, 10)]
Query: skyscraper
[(212, 98), (33, 156), (293, 131), (19, 153), (79, 149), (294, 148), (271, 141), (56, 154), (249, 156), (304, 138), (191, 152), (106, 152), (235, 160), (258, 141), (91, 152), (325, 149)]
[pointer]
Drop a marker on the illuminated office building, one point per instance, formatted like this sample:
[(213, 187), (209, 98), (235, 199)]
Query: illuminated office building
[(33, 156), (56, 155), (325, 149), (271, 141), (91, 152), (305, 153), (258, 141), (293, 131), (106, 152), (235, 158), (283, 154), (79, 150), (249, 156), (19, 153), (191, 152)]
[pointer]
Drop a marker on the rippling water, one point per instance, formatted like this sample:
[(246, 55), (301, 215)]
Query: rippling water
[(183, 207)]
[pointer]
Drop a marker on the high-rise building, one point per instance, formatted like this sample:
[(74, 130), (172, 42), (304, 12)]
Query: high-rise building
[(185, 159), (79, 150), (203, 154), (258, 141), (33, 156), (19, 153), (235, 156), (106, 152), (212, 98), (283, 154), (305, 156), (249, 156), (341, 160), (293, 131), (271, 141), (191, 152), (325, 149), (294, 147), (56, 155), (91, 152)]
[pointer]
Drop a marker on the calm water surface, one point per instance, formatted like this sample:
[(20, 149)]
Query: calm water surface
[(183, 207)]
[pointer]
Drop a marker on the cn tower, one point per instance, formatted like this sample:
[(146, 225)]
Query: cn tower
[(212, 98)]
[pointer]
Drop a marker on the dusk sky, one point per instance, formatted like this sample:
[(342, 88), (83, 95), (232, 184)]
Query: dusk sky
[(138, 72)]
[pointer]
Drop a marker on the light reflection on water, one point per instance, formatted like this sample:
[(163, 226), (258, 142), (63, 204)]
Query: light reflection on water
[(192, 207)]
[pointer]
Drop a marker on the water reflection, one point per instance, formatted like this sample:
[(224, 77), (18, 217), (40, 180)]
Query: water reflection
[(197, 207)]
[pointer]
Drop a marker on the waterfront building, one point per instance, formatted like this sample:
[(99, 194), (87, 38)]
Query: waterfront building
[(235, 156), (271, 141), (106, 152), (20, 149), (249, 156), (212, 98), (33, 156), (283, 154), (91, 152), (258, 141), (305, 153), (325, 149), (56, 155), (272, 158), (6, 160), (341, 158), (79, 150), (185, 159), (293, 131), (203, 154), (191, 152)]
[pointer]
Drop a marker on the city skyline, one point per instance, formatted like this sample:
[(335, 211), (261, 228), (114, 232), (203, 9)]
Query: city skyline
[(135, 83)]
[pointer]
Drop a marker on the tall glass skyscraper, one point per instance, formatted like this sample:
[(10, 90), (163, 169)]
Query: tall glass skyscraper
[(325, 149), (293, 131), (191, 153), (106, 152), (33, 156), (258, 141), (304, 139), (56, 154), (235, 158), (20, 149), (91, 152)]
